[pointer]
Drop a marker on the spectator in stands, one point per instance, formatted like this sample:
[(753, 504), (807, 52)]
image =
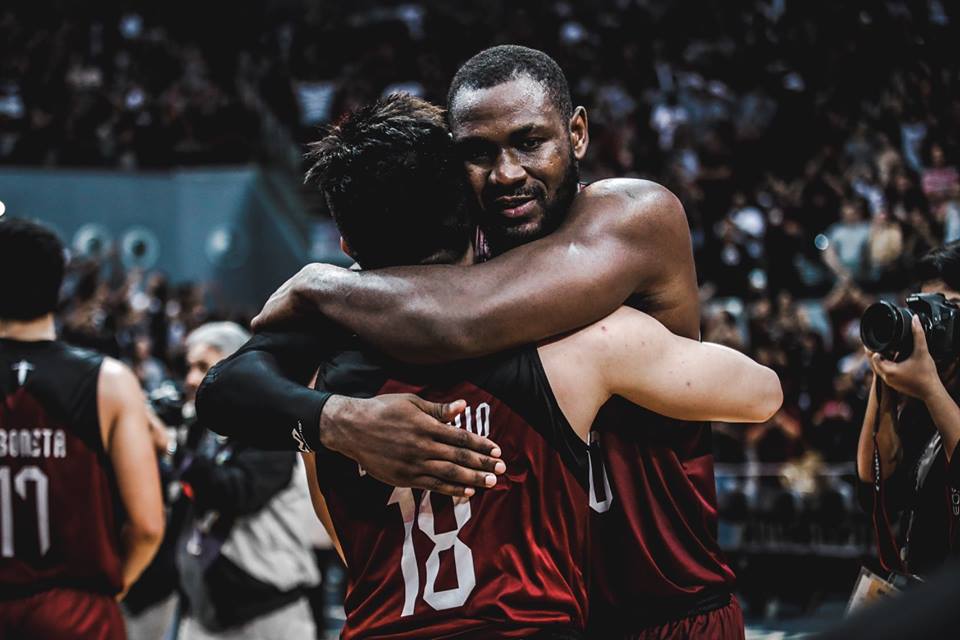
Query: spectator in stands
[(885, 246), (847, 252), (939, 180)]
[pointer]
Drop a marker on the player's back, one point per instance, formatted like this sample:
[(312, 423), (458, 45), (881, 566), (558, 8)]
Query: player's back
[(508, 562), (59, 524)]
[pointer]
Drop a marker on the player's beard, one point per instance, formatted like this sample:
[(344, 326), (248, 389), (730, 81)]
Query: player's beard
[(502, 238)]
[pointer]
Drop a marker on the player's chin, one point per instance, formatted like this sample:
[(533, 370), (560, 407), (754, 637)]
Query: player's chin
[(521, 231)]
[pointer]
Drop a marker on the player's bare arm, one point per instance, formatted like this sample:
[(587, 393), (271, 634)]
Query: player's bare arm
[(632, 355), (621, 237), (128, 441)]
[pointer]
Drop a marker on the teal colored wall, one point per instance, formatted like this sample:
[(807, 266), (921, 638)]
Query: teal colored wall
[(185, 211)]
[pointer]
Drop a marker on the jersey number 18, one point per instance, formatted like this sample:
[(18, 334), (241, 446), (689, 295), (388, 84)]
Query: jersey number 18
[(462, 556)]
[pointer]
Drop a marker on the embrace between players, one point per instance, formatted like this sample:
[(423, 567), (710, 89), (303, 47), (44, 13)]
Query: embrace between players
[(518, 343)]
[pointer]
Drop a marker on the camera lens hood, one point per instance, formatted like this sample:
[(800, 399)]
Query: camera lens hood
[(885, 329)]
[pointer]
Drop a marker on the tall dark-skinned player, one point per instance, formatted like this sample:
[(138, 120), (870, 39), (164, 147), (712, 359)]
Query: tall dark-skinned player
[(509, 561), (560, 261)]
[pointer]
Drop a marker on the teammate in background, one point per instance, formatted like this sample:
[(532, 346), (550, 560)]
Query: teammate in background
[(519, 550), (563, 259), (75, 451)]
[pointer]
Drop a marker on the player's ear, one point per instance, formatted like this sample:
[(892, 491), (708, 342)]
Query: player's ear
[(346, 248), (579, 134)]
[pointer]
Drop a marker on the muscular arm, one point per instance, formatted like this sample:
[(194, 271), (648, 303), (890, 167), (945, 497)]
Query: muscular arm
[(621, 237), (632, 355), (129, 444), (683, 378)]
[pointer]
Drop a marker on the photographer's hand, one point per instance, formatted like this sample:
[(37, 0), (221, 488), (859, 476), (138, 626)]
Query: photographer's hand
[(917, 376)]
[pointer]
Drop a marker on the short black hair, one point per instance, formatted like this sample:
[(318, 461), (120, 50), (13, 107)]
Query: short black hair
[(32, 262), (393, 185), (506, 62), (942, 263)]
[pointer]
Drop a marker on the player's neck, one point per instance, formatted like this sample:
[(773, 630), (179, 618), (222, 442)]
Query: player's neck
[(42, 328)]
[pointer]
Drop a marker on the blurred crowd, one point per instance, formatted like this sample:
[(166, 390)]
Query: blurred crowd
[(113, 86), (138, 317)]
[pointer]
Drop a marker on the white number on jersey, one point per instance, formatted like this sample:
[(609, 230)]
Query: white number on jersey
[(462, 555), (600, 506), (6, 506)]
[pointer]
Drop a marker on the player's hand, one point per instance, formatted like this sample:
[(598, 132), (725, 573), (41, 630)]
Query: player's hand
[(916, 376), (290, 304), (403, 440)]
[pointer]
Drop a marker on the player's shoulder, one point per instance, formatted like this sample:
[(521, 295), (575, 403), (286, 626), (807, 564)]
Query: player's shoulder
[(636, 205), (633, 191), (80, 355), (116, 378)]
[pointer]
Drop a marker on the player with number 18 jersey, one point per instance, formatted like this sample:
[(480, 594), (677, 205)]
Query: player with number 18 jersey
[(507, 562)]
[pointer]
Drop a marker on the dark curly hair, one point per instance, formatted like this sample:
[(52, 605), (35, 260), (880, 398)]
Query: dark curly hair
[(32, 262), (942, 263), (506, 62), (393, 184)]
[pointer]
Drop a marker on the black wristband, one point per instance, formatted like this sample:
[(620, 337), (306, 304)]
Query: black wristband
[(306, 432)]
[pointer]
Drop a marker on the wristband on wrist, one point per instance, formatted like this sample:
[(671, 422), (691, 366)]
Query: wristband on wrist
[(306, 433)]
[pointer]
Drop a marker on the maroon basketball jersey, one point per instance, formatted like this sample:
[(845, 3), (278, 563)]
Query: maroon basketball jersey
[(654, 518), (506, 563), (58, 524)]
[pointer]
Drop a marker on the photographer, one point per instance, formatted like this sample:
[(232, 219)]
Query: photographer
[(244, 557), (912, 460)]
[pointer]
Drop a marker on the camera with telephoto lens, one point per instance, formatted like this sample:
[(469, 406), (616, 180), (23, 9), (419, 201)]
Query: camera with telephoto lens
[(885, 328)]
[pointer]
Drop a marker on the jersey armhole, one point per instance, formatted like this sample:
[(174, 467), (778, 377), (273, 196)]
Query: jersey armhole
[(575, 450)]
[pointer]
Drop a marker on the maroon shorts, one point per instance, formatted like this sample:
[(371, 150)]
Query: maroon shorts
[(725, 623), (62, 614)]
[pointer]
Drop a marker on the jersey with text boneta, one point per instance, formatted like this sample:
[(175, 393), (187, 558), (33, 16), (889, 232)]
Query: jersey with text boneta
[(59, 524), (507, 562)]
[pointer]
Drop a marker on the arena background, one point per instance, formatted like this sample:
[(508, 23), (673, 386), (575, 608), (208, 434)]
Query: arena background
[(813, 145)]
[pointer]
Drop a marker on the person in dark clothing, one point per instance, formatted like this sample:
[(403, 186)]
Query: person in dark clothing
[(916, 441)]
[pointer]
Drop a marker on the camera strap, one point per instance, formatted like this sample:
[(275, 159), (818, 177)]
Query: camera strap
[(890, 556)]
